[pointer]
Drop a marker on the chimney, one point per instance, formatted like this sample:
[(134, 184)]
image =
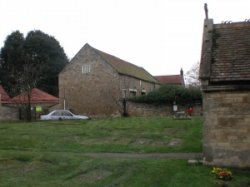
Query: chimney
[(181, 72), (206, 11)]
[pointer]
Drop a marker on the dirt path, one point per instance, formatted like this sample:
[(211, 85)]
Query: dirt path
[(185, 156), (146, 155)]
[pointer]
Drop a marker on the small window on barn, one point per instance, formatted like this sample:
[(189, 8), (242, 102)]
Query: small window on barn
[(143, 92), (85, 68), (132, 92)]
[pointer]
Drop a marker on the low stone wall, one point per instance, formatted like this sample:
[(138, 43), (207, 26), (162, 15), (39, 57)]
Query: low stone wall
[(141, 109), (8, 113)]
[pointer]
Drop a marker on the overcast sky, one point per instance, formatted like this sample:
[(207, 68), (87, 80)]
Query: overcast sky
[(162, 36)]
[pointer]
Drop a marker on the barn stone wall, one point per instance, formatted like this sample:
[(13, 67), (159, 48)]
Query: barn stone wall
[(227, 128), (88, 92), (98, 91)]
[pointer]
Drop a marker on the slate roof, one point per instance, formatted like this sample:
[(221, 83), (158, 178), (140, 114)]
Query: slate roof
[(5, 98), (230, 53), (126, 68), (121, 66), (37, 96), (170, 79)]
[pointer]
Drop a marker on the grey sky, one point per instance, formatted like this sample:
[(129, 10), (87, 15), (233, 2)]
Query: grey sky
[(160, 35)]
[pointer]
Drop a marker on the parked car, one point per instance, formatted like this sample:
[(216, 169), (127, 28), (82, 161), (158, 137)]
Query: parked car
[(62, 115)]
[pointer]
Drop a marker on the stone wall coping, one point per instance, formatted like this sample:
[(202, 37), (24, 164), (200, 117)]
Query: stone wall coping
[(212, 88)]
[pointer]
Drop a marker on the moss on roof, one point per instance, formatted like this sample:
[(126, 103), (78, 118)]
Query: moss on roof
[(126, 68)]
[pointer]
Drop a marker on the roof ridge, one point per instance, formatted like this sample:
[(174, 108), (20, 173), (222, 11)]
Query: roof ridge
[(116, 57), (124, 67), (231, 24), (37, 95), (167, 75)]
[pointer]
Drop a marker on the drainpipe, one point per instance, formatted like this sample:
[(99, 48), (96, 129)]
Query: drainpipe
[(64, 100)]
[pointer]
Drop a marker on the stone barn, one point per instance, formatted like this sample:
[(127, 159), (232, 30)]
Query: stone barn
[(225, 80), (94, 83)]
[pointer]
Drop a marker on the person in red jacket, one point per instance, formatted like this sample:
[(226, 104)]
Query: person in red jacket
[(190, 111)]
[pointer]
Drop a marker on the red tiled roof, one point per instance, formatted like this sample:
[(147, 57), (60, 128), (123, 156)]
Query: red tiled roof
[(37, 96), (5, 98), (170, 79)]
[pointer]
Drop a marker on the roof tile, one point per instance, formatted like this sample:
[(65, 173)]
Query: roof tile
[(37, 96), (231, 52), (170, 79), (5, 98), (126, 68)]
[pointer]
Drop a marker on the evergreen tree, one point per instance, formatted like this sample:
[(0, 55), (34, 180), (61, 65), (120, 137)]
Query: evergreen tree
[(46, 51), (39, 51), (11, 60)]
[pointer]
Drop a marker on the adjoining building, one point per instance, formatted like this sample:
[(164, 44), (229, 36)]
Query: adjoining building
[(40, 101), (225, 81), (14, 108), (94, 83), (7, 111), (171, 79)]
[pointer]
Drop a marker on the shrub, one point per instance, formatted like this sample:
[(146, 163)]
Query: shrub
[(168, 94)]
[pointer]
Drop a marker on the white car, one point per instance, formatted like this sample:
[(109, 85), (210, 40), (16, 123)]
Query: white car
[(62, 115)]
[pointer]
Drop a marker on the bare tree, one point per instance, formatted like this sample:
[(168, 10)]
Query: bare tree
[(26, 80), (192, 76)]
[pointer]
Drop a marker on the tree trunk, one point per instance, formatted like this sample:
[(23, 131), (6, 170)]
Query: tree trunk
[(28, 106)]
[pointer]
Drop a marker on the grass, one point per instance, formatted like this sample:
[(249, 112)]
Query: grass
[(51, 154), (110, 135)]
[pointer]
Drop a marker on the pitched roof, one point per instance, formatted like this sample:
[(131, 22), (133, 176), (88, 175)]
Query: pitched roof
[(170, 79), (121, 66), (229, 53), (5, 98), (232, 52), (37, 96), (126, 68)]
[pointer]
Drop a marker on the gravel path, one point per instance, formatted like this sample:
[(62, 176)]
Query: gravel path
[(146, 155)]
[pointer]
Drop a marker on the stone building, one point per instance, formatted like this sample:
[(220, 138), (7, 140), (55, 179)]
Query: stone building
[(94, 83), (225, 80)]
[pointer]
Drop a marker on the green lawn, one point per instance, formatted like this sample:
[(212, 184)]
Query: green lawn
[(110, 135), (51, 154)]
